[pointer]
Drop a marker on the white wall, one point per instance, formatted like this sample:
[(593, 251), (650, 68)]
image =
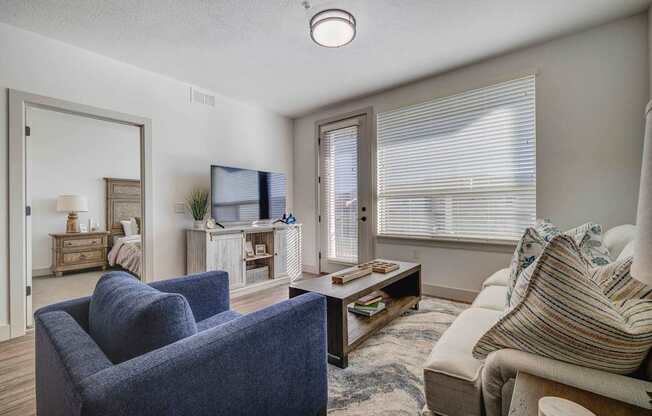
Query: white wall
[(592, 88), (69, 154), (186, 138)]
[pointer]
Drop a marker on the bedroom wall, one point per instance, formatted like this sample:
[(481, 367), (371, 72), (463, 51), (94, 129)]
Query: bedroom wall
[(68, 154), (186, 138), (592, 88)]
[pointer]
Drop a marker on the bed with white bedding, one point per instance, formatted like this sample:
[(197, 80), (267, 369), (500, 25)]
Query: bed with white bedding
[(123, 213)]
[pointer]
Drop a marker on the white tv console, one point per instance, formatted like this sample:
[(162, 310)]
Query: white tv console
[(224, 249)]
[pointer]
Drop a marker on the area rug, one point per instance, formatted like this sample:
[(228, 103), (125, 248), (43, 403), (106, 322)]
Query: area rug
[(385, 373)]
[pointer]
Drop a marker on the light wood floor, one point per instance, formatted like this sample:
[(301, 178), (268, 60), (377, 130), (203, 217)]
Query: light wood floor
[(17, 396)]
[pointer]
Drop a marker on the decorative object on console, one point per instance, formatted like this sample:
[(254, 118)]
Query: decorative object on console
[(642, 267), (249, 249), (72, 204), (93, 225), (83, 228), (197, 203), (261, 249), (211, 224)]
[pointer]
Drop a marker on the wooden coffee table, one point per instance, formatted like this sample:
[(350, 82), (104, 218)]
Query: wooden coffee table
[(346, 330)]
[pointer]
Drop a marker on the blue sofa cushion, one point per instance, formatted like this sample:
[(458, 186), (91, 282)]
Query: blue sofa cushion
[(218, 319), (128, 318)]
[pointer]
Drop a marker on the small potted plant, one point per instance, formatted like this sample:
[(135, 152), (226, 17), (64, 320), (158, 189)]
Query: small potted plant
[(197, 203)]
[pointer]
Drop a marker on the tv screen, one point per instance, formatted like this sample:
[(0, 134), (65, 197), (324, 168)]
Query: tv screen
[(243, 195)]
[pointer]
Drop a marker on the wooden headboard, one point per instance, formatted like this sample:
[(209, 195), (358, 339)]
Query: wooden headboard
[(122, 202)]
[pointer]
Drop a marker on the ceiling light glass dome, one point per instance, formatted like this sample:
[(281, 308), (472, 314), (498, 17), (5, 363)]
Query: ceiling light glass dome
[(332, 28)]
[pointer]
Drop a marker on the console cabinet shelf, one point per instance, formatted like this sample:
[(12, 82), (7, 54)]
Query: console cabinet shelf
[(224, 249)]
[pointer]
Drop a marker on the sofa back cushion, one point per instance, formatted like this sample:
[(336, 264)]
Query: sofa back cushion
[(128, 318), (617, 238)]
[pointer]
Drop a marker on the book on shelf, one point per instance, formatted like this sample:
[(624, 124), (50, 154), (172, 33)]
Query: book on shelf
[(368, 311), (370, 299)]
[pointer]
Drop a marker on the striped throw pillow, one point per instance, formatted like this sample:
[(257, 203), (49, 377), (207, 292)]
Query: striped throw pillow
[(561, 313)]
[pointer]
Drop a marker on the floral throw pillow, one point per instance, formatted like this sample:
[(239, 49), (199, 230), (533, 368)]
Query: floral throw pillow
[(528, 249), (589, 239)]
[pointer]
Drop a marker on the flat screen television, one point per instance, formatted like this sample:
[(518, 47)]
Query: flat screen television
[(243, 195)]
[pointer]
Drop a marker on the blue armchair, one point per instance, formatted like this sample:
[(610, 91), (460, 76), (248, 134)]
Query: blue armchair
[(270, 362)]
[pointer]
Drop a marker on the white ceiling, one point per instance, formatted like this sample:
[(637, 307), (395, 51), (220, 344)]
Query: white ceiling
[(260, 51)]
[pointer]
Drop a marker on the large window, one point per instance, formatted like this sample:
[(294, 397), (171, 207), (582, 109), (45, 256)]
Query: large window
[(461, 167)]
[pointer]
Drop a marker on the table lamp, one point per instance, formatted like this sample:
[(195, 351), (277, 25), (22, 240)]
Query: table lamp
[(72, 204), (642, 267)]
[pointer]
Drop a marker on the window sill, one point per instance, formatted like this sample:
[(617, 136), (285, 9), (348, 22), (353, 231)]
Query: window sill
[(476, 244)]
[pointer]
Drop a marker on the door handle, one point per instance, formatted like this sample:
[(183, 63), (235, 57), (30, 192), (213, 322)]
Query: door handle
[(363, 219)]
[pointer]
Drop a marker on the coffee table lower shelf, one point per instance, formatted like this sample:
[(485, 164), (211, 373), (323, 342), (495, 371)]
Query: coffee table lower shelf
[(360, 327)]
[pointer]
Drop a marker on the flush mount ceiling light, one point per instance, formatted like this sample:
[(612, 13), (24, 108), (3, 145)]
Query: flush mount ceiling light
[(332, 28)]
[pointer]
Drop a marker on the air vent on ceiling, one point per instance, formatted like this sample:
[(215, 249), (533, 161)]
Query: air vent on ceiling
[(200, 97)]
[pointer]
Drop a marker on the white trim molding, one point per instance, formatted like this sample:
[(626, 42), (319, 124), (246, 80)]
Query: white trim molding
[(19, 101), (451, 293)]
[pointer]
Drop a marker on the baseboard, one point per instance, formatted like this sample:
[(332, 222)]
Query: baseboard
[(5, 332), (247, 290), (460, 295), (310, 269), (46, 271)]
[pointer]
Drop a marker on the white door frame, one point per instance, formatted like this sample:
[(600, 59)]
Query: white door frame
[(19, 101), (366, 157)]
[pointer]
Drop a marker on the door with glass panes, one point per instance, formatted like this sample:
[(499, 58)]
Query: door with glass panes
[(345, 198)]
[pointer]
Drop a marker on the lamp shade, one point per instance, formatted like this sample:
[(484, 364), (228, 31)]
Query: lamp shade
[(642, 267), (72, 203)]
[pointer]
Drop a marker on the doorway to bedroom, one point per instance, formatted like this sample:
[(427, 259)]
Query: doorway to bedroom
[(83, 192)]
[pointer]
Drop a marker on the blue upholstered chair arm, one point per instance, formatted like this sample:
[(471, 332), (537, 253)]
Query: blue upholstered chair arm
[(270, 362), (77, 308), (65, 356), (207, 293)]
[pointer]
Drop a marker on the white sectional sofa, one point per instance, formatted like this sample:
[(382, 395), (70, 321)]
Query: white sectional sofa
[(456, 384)]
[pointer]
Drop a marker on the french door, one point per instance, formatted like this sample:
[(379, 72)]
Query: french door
[(345, 197)]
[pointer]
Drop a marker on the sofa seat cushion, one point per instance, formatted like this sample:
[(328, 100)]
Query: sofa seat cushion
[(492, 297), (451, 374), (216, 320), (128, 318), (500, 278)]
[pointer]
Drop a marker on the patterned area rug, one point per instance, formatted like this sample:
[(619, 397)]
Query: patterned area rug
[(385, 374)]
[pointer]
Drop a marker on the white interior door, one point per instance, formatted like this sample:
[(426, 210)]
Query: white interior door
[(29, 317), (345, 198)]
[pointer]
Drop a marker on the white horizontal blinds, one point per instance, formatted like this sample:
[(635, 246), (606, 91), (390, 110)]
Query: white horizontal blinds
[(339, 180), (460, 167)]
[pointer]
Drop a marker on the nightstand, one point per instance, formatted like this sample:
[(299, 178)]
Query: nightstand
[(79, 251)]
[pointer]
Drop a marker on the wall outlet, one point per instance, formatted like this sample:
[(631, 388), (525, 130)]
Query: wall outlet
[(179, 208)]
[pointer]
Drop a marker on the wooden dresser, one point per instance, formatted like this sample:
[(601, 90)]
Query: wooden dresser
[(78, 251)]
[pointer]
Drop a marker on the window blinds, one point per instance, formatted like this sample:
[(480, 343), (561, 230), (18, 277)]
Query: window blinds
[(461, 167), (339, 181)]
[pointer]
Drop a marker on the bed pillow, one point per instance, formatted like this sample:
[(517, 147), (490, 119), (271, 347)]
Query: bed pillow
[(130, 227), (560, 313), (589, 239), (128, 318), (528, 248)]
